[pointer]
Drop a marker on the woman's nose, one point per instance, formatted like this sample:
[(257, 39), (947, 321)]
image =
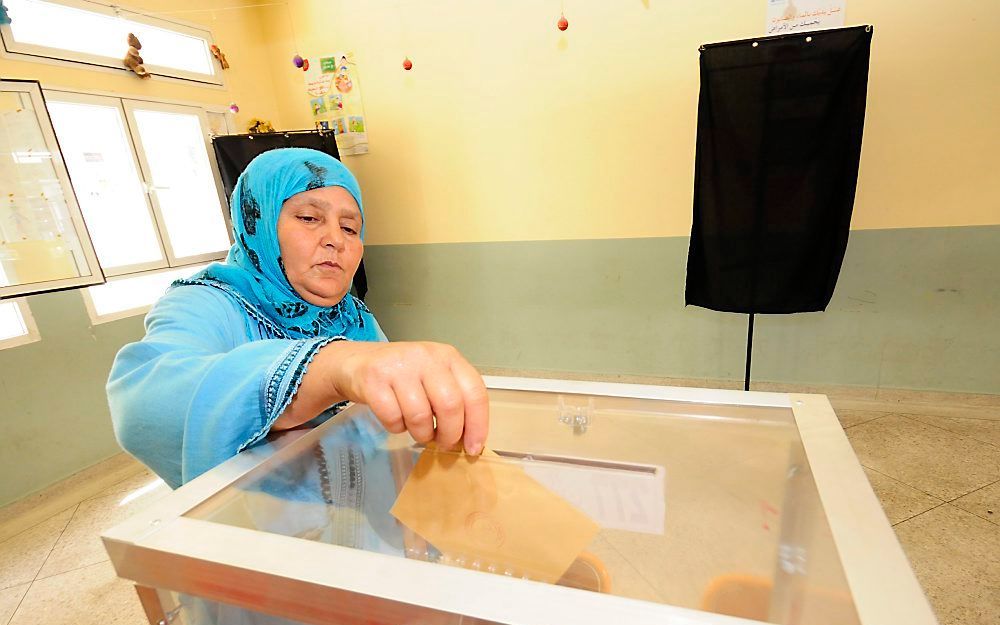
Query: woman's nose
[(334, 237)]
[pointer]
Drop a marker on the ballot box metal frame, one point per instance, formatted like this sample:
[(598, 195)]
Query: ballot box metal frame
[(312, 582)]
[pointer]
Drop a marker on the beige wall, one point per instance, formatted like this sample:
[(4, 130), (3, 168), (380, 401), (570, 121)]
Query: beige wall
[(237, 33), (507, 129)]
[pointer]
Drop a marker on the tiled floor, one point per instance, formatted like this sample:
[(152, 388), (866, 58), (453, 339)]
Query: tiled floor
[(939, 481), (938, 478), (57, 571)]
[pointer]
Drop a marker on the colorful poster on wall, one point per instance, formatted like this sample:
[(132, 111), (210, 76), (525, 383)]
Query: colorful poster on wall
[(795, 16), (334, 93)]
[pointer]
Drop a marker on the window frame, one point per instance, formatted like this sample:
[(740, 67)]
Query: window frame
[(36, 52), (32, 336), (96, 276), (97, 318), (102, 97), (75, 97), (130, 105), (126, 105)]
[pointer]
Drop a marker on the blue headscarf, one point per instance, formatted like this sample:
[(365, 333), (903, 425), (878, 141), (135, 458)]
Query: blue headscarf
[(253, 272)]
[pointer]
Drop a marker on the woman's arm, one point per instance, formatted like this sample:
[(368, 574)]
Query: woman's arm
[(427, 389), (195, 390)]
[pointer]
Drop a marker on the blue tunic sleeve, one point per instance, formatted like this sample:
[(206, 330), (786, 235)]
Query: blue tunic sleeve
[(199, 388)]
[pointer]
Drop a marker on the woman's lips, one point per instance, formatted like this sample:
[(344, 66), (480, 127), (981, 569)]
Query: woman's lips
[(329, 266)]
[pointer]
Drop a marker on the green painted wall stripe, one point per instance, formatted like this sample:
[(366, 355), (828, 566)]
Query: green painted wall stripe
[(914, 308), (55, 411)]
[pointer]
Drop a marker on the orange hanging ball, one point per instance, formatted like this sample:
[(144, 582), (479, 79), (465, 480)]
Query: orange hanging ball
[(407, 64), (563, 23)]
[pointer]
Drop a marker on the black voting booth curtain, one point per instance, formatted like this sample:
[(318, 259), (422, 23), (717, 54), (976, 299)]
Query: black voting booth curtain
[(234, 153), (779, 140)]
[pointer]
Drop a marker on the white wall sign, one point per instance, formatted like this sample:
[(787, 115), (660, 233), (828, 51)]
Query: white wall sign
[(795, 16)]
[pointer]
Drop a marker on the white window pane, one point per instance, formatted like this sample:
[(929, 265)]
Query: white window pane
[(183, 182), (38, 239), (108, 188), (11, 322), (66, 28), (170, 49), (103, 34), (129, 293)]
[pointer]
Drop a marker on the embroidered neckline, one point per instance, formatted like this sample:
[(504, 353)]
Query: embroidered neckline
[(258, 316)]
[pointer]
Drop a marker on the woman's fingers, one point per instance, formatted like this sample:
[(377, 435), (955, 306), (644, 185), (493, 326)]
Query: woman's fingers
[(446, 401), (382, 401), (416, 408), (476, 405), (409, 385)]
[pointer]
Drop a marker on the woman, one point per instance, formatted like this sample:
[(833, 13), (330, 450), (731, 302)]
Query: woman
[(271, 338)]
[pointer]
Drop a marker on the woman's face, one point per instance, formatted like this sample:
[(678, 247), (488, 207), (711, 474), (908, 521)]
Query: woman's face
[(319, 233)]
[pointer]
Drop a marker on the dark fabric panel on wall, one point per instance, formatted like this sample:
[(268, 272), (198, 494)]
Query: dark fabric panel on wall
[(780, 121)]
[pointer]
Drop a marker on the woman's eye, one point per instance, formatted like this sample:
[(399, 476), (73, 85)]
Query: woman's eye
[(307, 219), (349, 230)]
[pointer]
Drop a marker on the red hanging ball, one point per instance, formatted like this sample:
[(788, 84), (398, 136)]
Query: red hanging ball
[(407, 64), (563, 23), (305, 65)]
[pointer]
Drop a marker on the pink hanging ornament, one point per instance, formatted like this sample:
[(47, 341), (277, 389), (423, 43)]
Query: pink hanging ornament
[(234, 108)]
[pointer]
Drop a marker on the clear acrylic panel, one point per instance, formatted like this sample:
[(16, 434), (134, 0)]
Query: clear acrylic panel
[(702, 506), (102, 164), (41, 244), (182, 180)]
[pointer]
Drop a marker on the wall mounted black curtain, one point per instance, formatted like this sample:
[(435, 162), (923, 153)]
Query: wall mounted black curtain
[(779, 140), (234, 153)]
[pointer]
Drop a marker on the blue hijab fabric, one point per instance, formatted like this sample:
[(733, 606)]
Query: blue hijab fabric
[(253, 268)]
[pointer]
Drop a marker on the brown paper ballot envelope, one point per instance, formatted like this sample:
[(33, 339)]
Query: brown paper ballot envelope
[(490, 510)]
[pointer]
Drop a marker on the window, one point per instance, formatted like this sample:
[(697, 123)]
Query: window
[(149, 190), (95, 33), (145, 179), (17, 327), (44, 243), (131, 295), (175, 156)]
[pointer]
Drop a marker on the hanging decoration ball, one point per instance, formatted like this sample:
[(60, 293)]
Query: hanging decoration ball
[(297, 61), (234, 108), (305, 65), (407, 64), (563, 23)]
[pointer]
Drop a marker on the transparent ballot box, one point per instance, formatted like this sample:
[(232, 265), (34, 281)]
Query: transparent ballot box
[(594, 503)]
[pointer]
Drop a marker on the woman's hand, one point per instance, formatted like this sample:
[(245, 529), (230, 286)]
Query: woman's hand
[(427, 389)]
